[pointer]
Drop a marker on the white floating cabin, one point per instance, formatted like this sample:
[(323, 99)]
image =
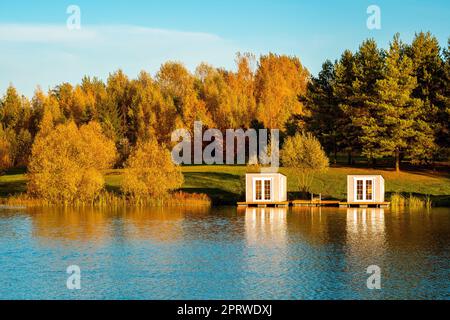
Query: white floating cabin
[(365, 189), (265, 188)]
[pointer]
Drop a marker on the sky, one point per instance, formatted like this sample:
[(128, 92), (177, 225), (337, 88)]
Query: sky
[(37, 47)]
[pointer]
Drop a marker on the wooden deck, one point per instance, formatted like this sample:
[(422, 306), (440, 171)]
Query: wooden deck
[(316, 203), (364, 204), (263, 204)]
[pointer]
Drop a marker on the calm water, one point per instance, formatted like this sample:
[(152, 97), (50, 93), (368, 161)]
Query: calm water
[(225, 253)]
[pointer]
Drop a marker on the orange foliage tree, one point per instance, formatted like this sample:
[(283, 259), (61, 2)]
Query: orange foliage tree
[(66, 162), (150, 172), (279, 82)]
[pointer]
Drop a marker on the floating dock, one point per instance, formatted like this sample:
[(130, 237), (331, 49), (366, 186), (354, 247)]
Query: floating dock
[(264, 204), (315, 203), (364, 204)]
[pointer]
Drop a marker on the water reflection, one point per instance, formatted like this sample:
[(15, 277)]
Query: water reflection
[(367, 220), (315, 225), (100, 225), (224, 253), (365, 240), (266, 225), (366, 224)]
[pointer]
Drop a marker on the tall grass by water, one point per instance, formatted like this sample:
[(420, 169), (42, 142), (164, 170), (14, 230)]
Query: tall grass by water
[(400, 201), (111, 199)]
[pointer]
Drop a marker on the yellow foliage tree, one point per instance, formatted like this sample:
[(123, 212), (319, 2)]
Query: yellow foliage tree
[(176, 82), (304, 153), (65, 163), (5, 151), (150, 172), (279, 82)]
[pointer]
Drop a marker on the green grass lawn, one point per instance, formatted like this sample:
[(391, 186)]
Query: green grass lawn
[(13, 182), (225, 184)]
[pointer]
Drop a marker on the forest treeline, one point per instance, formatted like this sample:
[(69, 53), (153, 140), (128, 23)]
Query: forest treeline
[(375, 103)]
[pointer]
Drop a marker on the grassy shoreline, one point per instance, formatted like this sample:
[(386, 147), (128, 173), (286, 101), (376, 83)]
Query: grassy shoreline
[(224, 185)]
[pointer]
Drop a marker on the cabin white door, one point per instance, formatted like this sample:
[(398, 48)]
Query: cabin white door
[(364, 189), (262, 189)]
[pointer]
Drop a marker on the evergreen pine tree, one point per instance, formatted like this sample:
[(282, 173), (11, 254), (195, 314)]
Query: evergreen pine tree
[(401, 131)]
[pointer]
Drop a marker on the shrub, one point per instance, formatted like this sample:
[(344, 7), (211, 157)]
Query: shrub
[(65, 163), (150, 172), (304, 153), (90, 186)]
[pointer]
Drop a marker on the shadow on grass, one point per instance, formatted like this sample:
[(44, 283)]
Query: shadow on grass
[(10, 185), (14, 171), (208, 176), (222, 188), (12, 188), (113, 189), (217, 196)]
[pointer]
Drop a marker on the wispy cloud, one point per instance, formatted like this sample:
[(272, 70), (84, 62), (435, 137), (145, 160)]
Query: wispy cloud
[(89, 34), (44, 34), (46, 55)]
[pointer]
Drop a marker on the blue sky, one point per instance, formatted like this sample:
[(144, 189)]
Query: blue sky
[(36, 48)]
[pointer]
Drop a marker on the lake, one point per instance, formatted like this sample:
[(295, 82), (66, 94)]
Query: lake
[(224, 253)]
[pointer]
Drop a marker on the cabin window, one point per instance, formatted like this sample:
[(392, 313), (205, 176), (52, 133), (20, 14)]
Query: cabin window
[(263, 189), (258, 189), (267, 189), (364, 189), (359, 190), (369, 189)]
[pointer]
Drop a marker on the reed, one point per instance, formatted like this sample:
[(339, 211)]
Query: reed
[(428, 202), (110, 199), (413, 202), (397, 200)]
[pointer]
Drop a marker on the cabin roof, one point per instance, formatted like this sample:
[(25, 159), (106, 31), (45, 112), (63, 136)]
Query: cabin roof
[(264, 174), (365, 175)]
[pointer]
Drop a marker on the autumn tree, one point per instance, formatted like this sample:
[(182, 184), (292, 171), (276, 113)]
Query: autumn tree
[(66, 162), (242, 88), (15, 118), (5, 151), (10, 108), (344, 106), (229, 96), (151, 114), (304, 153), (279, 82), (178, 84), (150, 172), (73, 102), (217, 94), (96, 101), (118, 97)]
